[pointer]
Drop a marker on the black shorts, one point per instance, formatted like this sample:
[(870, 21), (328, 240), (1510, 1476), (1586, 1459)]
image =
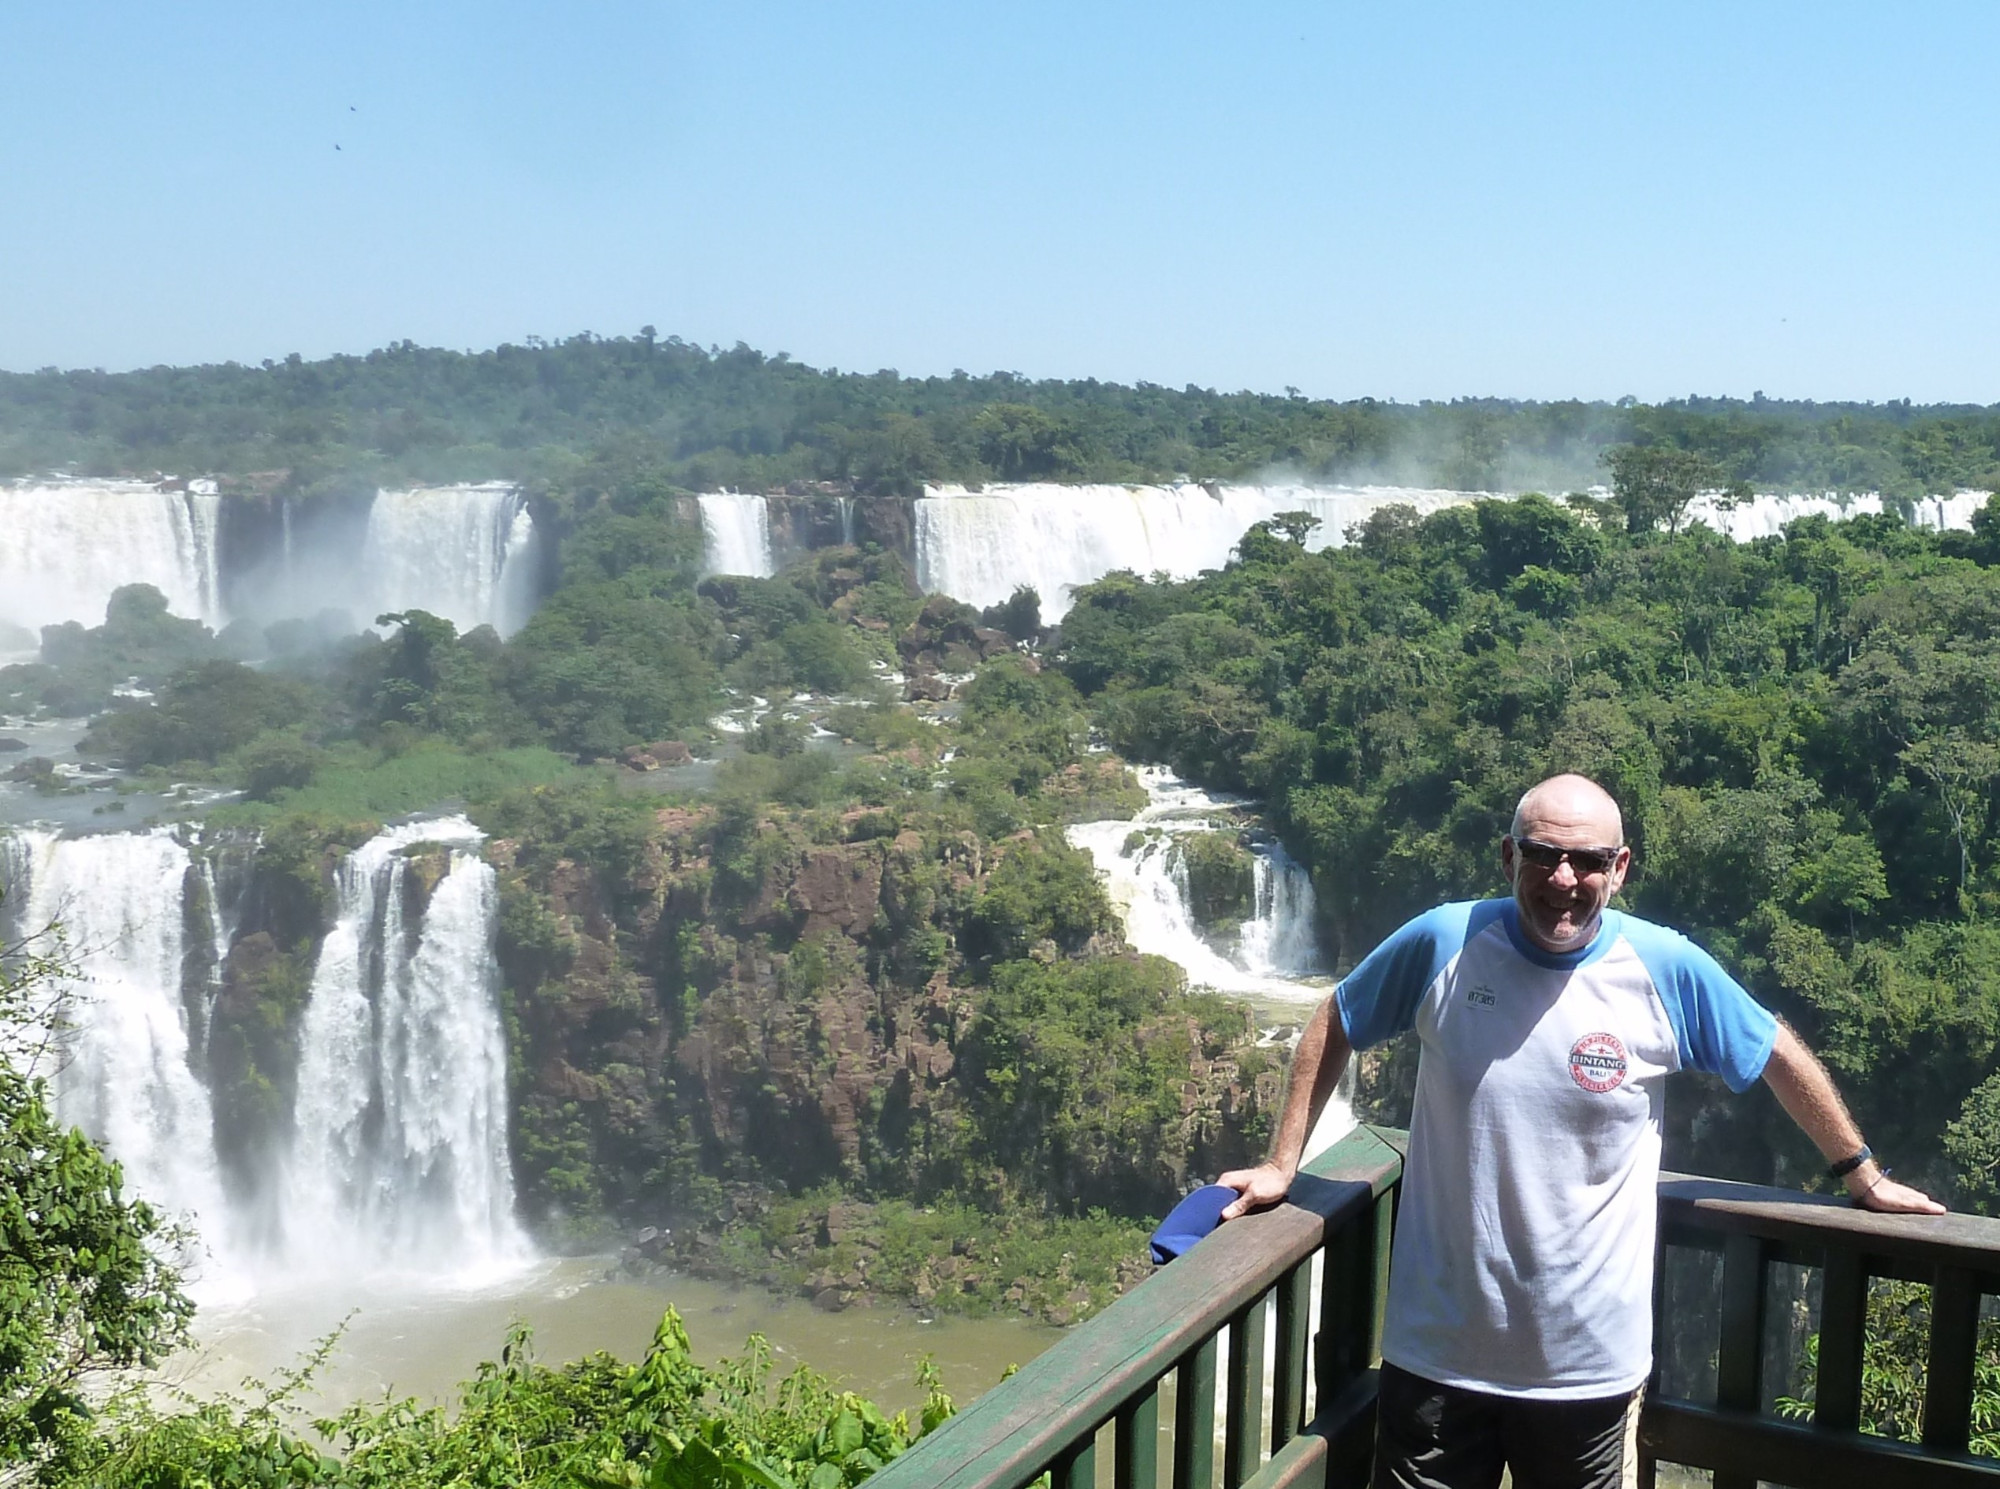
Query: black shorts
[(1430, 1436)]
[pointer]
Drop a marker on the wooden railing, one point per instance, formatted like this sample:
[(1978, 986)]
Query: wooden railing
[(1133, 1392), (1279, 1315), (1754, 1231)]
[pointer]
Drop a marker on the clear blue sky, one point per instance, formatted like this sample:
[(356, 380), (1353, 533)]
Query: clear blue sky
[(1403, 200)]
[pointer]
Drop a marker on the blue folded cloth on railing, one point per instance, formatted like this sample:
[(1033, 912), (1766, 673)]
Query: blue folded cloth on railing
[(1190, 1220)]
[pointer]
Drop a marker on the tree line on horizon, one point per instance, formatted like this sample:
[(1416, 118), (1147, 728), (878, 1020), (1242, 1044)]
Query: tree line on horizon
[(736, 417)]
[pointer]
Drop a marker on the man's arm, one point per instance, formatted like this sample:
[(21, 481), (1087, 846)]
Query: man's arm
[(1807, 1094), (1317, 1065)]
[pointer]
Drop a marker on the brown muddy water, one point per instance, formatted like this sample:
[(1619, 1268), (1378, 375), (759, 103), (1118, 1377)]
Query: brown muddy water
[(412, 1340)]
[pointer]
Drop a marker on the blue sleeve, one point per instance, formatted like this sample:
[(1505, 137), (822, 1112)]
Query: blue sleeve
[(1379, 998), (1720, 1027)]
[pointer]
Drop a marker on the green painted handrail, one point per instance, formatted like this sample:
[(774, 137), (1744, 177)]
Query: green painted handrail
[(1046, 1417), (1111, 1371)]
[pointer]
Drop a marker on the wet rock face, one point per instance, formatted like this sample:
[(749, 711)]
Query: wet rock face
[(780, 1002), (839, 889)]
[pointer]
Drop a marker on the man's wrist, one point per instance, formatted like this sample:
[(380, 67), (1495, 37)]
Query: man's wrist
[(1863, 1178)]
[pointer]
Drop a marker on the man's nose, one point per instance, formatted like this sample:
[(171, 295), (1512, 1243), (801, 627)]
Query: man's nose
[(1563, 875)]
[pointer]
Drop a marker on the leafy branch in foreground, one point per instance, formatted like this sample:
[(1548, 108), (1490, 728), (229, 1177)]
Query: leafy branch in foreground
[(87, 1283), (663, 1423)]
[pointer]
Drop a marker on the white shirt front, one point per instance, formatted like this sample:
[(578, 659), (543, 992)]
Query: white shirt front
[(1523, 1256)]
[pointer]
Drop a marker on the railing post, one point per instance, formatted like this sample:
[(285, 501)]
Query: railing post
[(1194, 1419), (1242, 1443), (1138, 1443), (1077, 1468), (1948, 1374), (1352, 1293), (1843, 1326), (1288, 1390), (1739, 1366)]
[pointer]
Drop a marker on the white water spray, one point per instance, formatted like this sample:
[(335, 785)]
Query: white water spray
[(736, 534), (66, 545), (1275, 949), (465, 553), (122, 1071), (401, 1156), (977, 547)]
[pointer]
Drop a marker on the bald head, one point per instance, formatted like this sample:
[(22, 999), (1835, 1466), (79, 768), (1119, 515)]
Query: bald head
[(1574, 802)]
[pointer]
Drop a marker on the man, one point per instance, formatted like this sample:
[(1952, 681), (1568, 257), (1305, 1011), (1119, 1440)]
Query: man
[(1519, 1323)]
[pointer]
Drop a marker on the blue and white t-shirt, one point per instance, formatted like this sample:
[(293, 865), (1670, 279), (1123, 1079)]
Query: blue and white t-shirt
[(1523, 1260)]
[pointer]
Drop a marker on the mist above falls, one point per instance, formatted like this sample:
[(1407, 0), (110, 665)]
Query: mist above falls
[(979, 546), (469, 553)]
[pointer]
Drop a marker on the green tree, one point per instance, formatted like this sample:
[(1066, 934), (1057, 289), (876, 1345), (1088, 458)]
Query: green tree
[(1653, 484), (1021, 443), (85, 1285)]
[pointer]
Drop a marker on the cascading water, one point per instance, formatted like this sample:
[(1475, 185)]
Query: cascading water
[(736, 534), (1146, 875), (978, 547), (1278, 939), (1766, 516), (401, 1154), (122, 1070), (1275, 964), (398, 1160), (465, 553), (66, 545)]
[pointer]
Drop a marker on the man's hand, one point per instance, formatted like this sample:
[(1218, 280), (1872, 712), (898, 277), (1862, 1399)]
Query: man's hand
[(1885, 1195), (1257, 1187)]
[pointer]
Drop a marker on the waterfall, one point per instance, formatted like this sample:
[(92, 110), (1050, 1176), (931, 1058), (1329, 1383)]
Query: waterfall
[(123, 1072), (398, 1159), (401, 1154), (1276, 964), (1278, 940), (461, 552), (977, 547), (1275, 950), (736, 534), (66, 545), (846, 521)]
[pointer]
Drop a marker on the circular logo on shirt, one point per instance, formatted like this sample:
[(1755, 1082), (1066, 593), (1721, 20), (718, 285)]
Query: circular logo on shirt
[(1597, 1062)]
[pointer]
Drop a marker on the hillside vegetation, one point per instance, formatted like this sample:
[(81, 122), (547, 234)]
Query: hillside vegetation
[(740, 418), (1803, 733)]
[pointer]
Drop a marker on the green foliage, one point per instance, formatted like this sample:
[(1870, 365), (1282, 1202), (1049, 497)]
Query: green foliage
[(614, 421), (85, 1283), (1075, 1072), (1042, 891), (204, 712), (1895, 1359), (1221, 877), (662, 1423), (138, 640), (1804, 733), (274, 762), (614, 662), (944, 1257), (1653, 484), (353, 782)]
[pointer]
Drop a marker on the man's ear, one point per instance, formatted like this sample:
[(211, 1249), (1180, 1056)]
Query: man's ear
[(1507, 858)]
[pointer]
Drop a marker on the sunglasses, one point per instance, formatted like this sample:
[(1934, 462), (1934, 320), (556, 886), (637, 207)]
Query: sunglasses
[(1548, 856)]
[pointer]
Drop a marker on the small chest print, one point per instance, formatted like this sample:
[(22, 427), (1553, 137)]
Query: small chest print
[(1480, 997), (1597, 1063)]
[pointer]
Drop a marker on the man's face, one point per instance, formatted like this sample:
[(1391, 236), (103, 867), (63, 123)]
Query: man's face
[(1560, 904)]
